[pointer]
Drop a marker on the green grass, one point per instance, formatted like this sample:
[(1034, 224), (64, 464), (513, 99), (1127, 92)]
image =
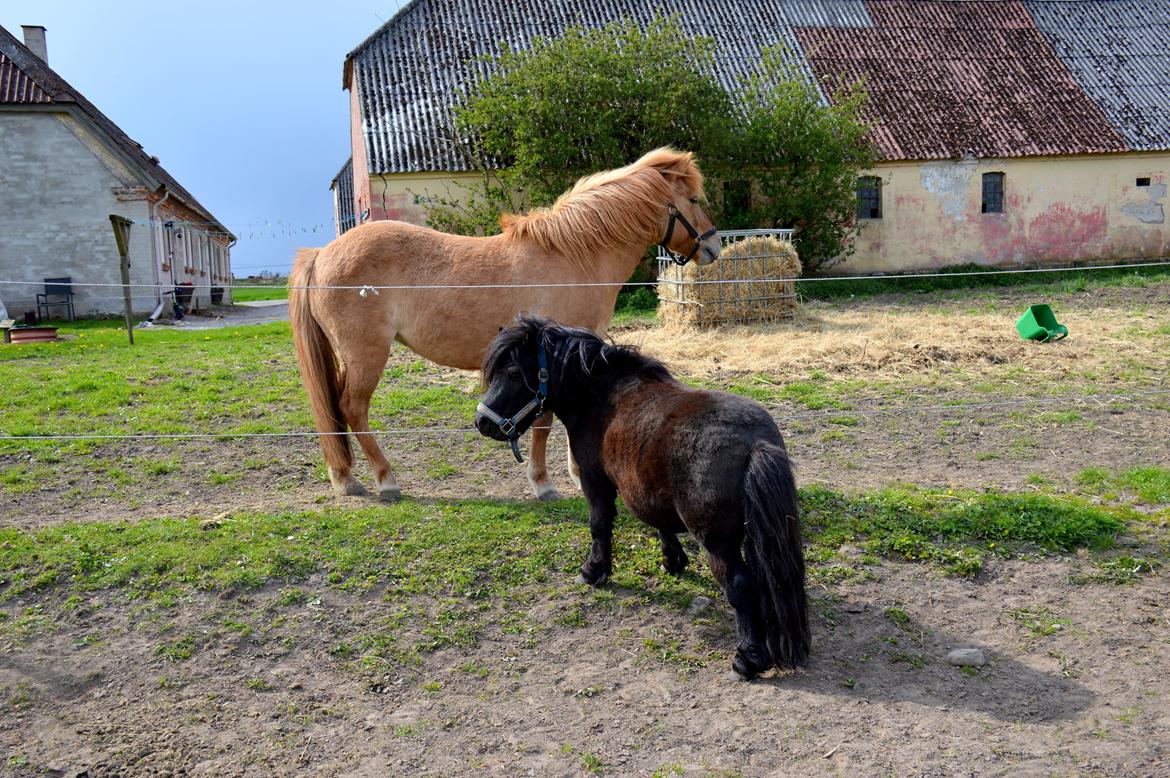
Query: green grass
[(276, 289), (1149, 484), (453, 549), (232, 380), (984, 278)]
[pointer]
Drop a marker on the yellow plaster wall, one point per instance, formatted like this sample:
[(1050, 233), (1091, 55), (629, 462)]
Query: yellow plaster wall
[(1056, 210), (393, 197)]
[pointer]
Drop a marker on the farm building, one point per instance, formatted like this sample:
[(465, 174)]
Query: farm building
[(66, 169), (1008, 131)]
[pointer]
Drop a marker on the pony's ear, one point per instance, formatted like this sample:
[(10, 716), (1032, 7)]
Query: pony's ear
[(507, 220)]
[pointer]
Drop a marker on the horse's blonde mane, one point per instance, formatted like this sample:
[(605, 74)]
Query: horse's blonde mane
[(609, 208)]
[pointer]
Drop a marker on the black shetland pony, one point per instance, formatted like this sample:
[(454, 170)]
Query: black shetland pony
[(682, 459)]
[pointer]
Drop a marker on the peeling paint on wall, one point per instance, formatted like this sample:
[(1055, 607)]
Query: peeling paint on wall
[(1065, 231), (1151, 211), (949, 181)]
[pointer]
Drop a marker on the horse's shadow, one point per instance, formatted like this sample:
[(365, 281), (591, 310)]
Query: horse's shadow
[(859, 653)]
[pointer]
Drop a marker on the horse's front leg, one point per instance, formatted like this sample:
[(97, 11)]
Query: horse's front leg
[(538, 478), (601, 496)]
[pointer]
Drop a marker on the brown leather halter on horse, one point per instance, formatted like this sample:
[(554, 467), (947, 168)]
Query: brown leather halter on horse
[(451, 294)]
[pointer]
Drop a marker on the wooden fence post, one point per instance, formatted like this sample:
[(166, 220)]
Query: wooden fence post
[(122, 235)]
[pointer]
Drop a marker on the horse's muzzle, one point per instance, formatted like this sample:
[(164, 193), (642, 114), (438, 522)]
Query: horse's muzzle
[(488, 428), (709, 251)]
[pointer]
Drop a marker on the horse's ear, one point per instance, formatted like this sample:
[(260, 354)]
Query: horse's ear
[(507, 220)]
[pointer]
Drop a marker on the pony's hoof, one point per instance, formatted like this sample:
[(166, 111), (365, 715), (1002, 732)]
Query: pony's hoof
[(548, 494), (581, 579), (675, 565), (390, 494), (351, 489)]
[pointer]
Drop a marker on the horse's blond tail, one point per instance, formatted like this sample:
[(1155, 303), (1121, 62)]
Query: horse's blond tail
[(318, 365)]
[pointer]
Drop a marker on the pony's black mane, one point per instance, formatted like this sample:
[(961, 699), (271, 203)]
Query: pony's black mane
[(576, 355)]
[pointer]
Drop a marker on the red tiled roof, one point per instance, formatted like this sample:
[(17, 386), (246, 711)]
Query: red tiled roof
[(950, 80)]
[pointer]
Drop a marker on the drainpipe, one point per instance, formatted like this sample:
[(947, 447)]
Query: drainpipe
[(152, 214)]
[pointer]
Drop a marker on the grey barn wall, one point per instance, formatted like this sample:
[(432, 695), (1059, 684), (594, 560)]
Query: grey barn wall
[(56, 195)]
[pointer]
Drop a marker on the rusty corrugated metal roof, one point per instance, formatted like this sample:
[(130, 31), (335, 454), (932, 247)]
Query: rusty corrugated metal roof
[(59, 92), (948, 78), (960, 79), (410, 70)]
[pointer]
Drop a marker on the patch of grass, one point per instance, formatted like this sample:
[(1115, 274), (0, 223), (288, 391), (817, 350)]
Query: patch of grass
[(592, 762), (1040, 283), (258, 685), (897, 617), (1149, 484), (161, 466), (177, 651), (275, 289), (954, 529), (1119, 571), (441, 468), (1039, 621)]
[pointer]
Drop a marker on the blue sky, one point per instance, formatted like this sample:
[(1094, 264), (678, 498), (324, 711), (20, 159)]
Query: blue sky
[(241, 101)]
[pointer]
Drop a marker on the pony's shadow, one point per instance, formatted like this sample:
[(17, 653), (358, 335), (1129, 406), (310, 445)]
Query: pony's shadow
[(860, 654)]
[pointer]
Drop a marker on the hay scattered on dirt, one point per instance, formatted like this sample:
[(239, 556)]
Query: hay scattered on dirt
[(690, 299), (877, 342)]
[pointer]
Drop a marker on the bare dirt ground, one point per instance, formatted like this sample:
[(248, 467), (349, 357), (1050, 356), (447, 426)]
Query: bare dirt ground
[(1075, 681)]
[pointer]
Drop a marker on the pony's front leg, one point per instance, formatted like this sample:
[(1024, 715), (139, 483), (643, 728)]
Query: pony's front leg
[(538, 478), (602, 496)]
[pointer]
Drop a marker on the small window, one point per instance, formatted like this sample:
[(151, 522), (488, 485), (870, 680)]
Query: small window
[(869, 197), (993, 193), (1143, 182)]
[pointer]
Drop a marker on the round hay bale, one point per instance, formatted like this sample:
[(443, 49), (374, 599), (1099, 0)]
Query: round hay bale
[(754, 280)]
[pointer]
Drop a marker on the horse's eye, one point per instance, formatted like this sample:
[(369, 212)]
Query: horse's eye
[(513, 373), (695, 200)]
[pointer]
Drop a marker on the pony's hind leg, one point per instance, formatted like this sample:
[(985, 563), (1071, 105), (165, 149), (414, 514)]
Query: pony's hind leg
[(674, 559), (538, 479), (574, 470), (360, 381), (751, 654)]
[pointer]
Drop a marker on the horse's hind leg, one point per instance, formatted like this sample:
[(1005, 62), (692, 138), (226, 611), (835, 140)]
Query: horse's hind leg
[(538, 478), (751, 654), (360, 379), (674, 559)]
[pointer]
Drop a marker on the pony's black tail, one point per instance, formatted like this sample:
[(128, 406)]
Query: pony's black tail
[(774, 555)]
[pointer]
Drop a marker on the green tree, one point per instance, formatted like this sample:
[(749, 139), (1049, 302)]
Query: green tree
[(594, 99), (800, 159), (591, 100)]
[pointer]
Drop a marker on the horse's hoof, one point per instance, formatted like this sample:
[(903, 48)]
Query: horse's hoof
[(351, 489), (581, 579), (390, 494), (548, 494)]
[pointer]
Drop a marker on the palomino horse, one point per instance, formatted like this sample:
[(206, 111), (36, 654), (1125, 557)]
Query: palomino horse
[(594, 234), (682, 459)]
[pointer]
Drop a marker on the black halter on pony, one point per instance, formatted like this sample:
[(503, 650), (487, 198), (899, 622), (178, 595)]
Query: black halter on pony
[(508, 426), (676, 215)]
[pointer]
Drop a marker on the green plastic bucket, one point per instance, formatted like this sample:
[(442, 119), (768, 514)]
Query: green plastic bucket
[(1039, 323)]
